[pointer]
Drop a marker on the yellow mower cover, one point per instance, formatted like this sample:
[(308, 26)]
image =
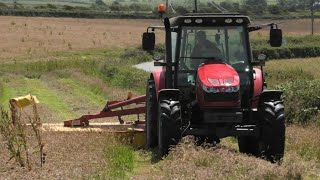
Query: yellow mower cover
[(23, 101)]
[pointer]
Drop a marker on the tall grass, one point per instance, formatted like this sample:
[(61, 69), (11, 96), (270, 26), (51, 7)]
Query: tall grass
[(15, 132), (300, 81)]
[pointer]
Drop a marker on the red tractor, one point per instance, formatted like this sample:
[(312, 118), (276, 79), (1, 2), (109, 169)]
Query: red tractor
[(210, 86)]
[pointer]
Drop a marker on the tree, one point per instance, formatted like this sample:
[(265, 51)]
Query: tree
[(256, 3), (181, 10), (274, 9), (100, 3), (255, 6)]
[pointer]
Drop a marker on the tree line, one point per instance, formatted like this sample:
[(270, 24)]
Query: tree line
[(253, 8)]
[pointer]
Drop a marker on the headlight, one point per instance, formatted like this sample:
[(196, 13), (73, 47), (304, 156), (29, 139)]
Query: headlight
[(230, 89)]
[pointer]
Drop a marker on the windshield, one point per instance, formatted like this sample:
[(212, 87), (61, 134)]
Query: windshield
[(226, 44)]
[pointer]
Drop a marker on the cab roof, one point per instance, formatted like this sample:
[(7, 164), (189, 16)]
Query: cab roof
[(212, 19)]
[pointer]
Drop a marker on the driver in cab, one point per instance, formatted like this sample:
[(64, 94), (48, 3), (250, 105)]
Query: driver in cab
[(203, 49)]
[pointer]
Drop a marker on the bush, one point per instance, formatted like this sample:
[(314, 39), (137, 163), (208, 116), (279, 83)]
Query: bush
[(302, 100), (274, 9), (181, 10), (116, 6), (293, 47), (68, 8), (139, 7), (288, 52), (3, 5), (51, 6)]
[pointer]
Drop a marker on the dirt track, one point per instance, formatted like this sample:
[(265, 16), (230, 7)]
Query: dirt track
[(70, 155)]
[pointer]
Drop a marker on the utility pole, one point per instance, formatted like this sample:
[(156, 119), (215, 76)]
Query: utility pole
[(195, 6), (167, 7), (312, 16), (167, 4)]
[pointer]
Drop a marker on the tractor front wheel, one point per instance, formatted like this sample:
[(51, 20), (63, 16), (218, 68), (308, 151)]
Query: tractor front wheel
[(169, 125), (271, 142), (273, 130)]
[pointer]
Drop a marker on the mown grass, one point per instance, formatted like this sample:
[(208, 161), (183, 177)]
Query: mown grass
[(189, 161), (81, 91), (48, 97)]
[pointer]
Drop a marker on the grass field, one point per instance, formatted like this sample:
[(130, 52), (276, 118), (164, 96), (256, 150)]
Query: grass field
[(73, 81)]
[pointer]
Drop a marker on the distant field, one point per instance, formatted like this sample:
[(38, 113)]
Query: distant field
[(33, 37), (24, 36)]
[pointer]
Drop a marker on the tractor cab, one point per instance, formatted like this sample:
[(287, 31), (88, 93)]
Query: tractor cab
[(213, 40)]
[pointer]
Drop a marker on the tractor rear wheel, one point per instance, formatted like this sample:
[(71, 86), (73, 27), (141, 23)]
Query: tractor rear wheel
[(273, 130), (151, 115), (169, 125)]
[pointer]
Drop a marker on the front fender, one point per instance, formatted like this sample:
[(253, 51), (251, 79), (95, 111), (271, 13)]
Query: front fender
[(159, 79), (268, 95), (172, 94)]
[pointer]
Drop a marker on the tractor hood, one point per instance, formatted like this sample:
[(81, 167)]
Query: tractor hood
[(218, 74), (218, 85)]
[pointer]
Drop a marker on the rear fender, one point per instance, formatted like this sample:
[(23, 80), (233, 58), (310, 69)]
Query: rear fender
[(172, 94), (159, 79)]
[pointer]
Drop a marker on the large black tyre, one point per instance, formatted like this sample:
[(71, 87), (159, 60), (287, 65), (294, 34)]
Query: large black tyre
[(169, 125), (271, 141), (151, 115), (273, 130)]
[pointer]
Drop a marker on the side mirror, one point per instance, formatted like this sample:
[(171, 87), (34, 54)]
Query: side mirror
[(157, 57), (262, 57), (148, 41), (275, 37), (261, 60)]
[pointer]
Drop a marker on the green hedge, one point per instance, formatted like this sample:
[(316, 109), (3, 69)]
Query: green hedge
[(293, 47), (75, 13), (289, 52)]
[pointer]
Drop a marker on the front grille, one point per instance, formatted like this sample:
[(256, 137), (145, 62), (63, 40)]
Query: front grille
[(221, 97)]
